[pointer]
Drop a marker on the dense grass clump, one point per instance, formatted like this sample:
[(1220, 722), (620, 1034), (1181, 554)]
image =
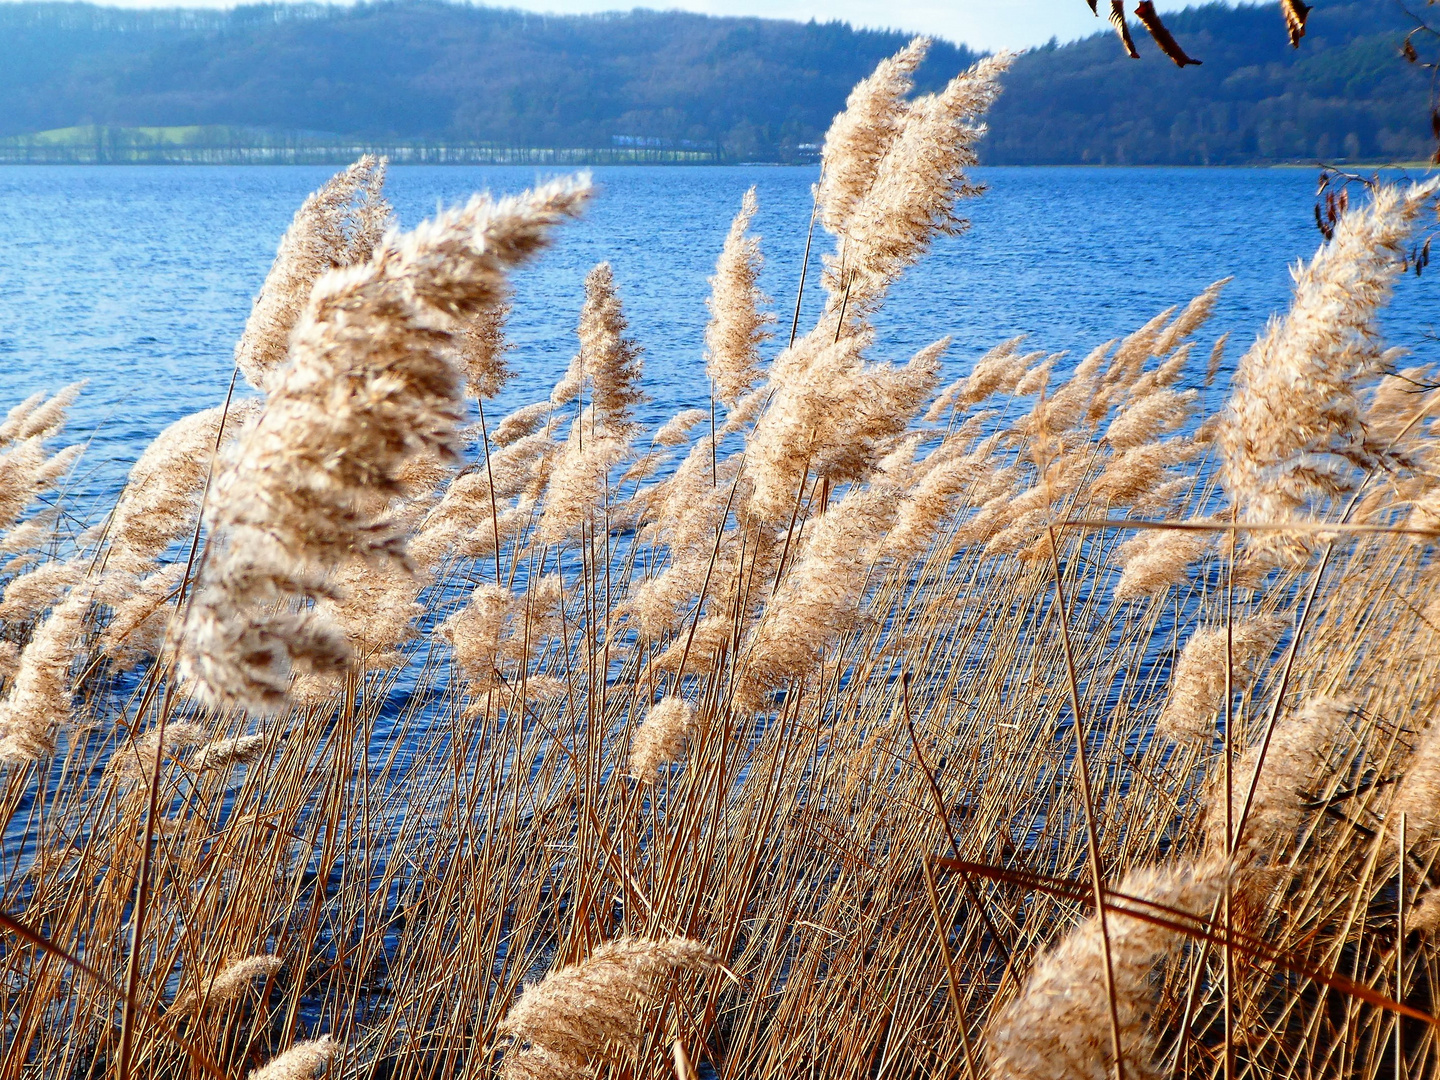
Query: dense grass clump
[(855, 726)]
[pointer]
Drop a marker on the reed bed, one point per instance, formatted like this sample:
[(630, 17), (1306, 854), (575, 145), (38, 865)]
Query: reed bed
[(1034, 725)]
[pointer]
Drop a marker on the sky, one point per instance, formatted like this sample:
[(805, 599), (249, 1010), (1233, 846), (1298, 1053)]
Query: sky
[(982, 24)]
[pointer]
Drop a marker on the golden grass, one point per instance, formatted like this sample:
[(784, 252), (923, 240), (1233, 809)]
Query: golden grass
[(811, 757)]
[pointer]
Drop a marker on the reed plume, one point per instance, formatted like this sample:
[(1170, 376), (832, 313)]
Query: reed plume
[(482, 352), (819, 597), (739, 324), (371, 384), (221, 753), (1291, 769), (141, 608), (999, 371), (911, 198), (1060, 1025), (860, 136), (229, 984), (1197, 689), (30, 593), (833, 414), (303, 1061), (1418, 793), (137, 760), (589, 1013), (26, 471), (476, 630), (339, 225), (39, 417), (608, 362), (40, 694), (1293, 431), (676, 430), (1153, 560), (162, 496), (660, 738)]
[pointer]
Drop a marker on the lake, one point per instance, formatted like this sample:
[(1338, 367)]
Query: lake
[(139, 279)]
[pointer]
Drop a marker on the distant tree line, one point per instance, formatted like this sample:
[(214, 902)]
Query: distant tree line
[(679, 85), (1345, 95), (744, 88)]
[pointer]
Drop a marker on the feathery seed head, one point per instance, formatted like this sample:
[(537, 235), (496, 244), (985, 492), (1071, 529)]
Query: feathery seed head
[(303, 1061), (371, 384), (588, 1012), (1197, 690), (660, 738), (738, 323)]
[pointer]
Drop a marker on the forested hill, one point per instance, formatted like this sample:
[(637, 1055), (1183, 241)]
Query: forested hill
[(1345, 94), (737, 89), (759, 88)]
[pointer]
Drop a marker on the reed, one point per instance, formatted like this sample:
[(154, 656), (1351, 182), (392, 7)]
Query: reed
[(367, 735)]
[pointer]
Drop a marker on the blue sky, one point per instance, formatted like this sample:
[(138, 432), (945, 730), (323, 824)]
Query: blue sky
[(985, 24)]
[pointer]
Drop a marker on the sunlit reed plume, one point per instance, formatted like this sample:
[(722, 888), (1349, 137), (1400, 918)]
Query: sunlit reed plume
[(475, 632), (860, 135), (339, 225), (676, 430), (1291, 773), (240, 750), (135, 760), (997, 372), (28, 594), (1154, 559), (41, 696), (233, 980), (1059, 1028), (832, 415), (819, 596), (162, 496), (26, 471), (580, 477), (1156, 414), (482, 352), (27, 540), (520, 423), (303, 1061), (371, 384), (659, 740), (1197, 689), (608, 364), (739, 324), (911, 199), (1293, 431), (589, 1013), (1418, 794), (38, 417), (140, 611)]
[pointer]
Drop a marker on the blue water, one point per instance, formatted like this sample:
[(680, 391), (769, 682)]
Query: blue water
[(139, 278)]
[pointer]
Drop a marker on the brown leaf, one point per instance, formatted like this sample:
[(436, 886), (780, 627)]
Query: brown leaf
[(1296, 12), (1117, 20), (1150, 19)]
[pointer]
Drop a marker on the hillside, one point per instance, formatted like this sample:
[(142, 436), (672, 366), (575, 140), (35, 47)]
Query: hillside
[(425, 70), (691, 86), (1345, 94)]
